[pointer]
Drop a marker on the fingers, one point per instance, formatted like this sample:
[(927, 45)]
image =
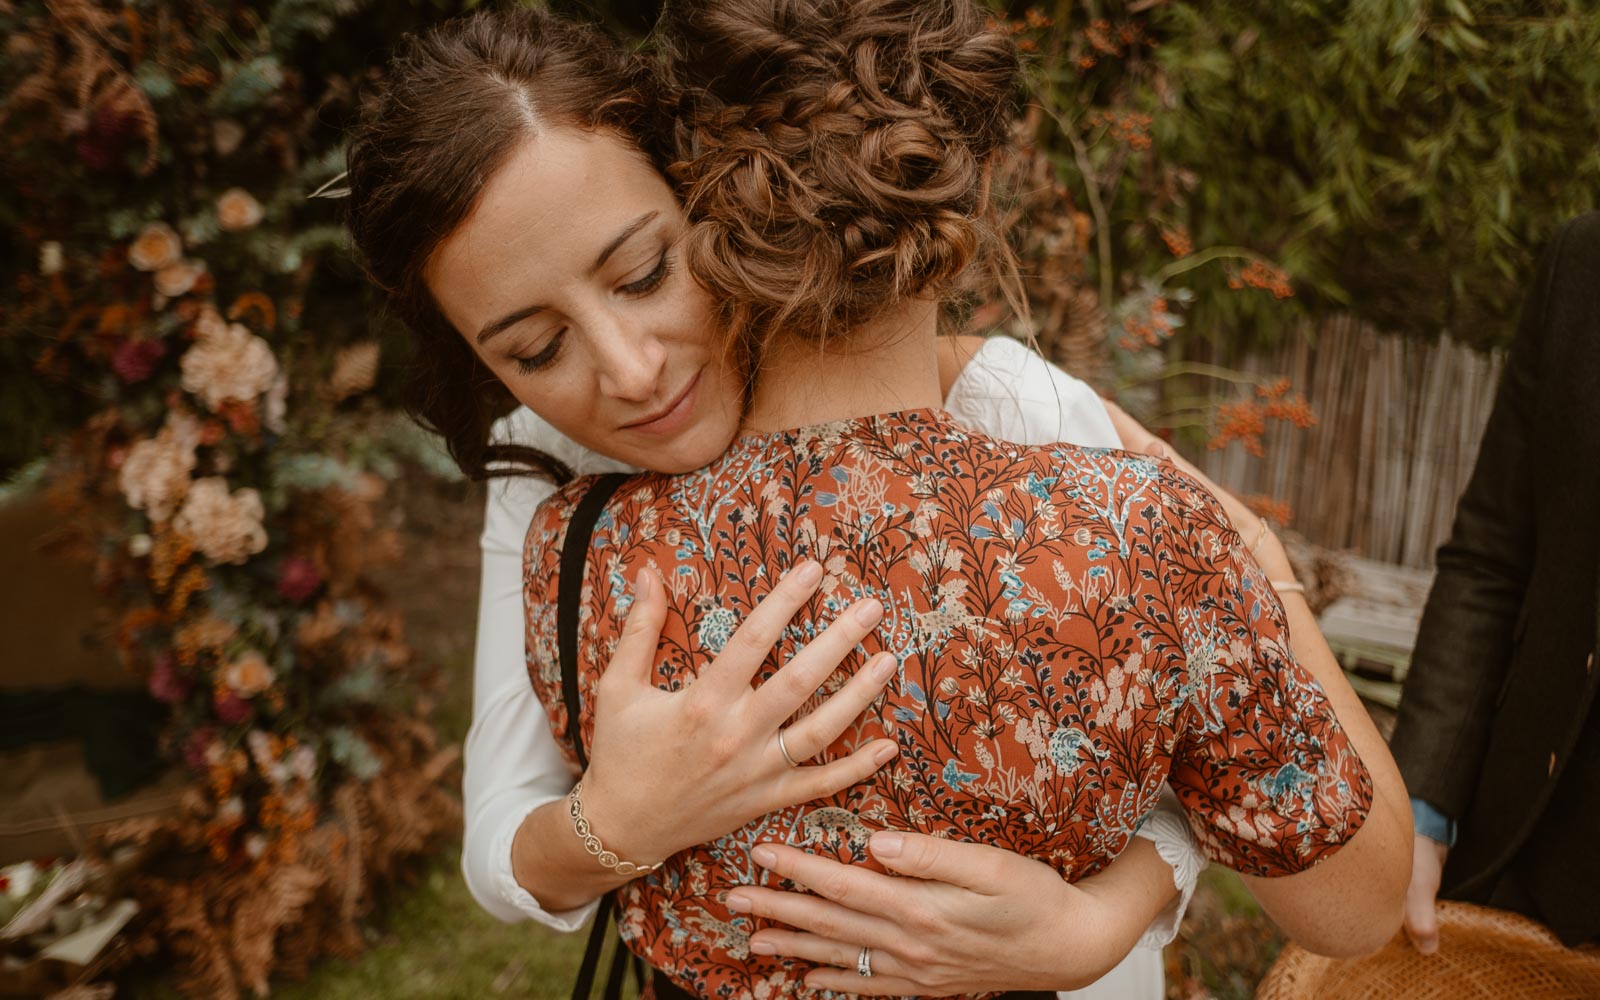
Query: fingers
[(799, 679), (750, 643), (1422, 923), (977, 867), (847, 981), (857, 891), (808, 737), (810, 914), (815, 781), (888, 971), (641, 632), (1422, 916)]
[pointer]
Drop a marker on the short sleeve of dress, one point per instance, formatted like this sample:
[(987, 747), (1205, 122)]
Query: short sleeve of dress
[(1267, 775)]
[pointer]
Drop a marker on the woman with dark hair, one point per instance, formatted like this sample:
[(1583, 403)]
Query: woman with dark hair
[(869, 247)]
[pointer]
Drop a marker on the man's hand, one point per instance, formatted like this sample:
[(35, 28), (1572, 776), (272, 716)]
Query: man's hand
[(1422, 918)]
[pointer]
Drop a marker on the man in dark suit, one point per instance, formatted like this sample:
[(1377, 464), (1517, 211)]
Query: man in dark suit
[(1499, 735)]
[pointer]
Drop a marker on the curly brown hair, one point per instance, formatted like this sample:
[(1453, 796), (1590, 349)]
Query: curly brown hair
[(834, 156), (454, 103)]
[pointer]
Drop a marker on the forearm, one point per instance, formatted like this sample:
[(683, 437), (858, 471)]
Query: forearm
[(1352, 902), (548, 859), (1129, 894)]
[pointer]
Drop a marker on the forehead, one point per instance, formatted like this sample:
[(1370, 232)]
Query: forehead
[(544, 216)]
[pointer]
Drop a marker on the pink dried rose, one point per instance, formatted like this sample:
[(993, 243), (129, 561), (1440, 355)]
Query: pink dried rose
[(156, 246), (249, 675), (227, 365), (225, 526), (179, 277), (197, 747), (166, 684), (230, 708), (238, 210), (135, 360), (298, 579), (154, 475)]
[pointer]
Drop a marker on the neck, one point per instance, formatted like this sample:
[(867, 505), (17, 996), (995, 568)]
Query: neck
[(882, 366)]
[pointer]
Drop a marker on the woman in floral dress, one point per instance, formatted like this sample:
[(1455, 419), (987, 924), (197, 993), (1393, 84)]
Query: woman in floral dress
[(979, 559)]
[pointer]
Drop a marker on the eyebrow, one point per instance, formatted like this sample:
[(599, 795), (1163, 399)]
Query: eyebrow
[(511, 319)]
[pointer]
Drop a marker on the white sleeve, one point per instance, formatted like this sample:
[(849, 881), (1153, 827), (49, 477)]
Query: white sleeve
[(512, 764), (1010, 392)]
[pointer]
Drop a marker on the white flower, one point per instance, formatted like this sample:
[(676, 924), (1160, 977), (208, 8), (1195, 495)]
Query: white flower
[(50, 258), (155, 474), (156, 246), (139, 545), (237, 210), (233, 365), (179, 277), (226, 527)]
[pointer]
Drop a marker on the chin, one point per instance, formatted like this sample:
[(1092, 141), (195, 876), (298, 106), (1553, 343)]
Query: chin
[(694, 449)]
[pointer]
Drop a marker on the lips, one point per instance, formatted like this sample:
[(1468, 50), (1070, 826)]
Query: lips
[(673, 417)]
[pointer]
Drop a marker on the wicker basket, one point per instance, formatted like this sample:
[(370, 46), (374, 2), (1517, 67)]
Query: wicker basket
[(1482, 953)]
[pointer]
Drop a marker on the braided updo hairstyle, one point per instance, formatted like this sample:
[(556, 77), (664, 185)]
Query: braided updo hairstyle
[(834, 156)]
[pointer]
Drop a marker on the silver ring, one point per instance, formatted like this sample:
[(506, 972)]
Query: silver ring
[(783, 748), (864, 963)]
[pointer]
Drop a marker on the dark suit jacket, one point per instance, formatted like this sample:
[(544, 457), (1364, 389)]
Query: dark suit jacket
[(1498, 726)]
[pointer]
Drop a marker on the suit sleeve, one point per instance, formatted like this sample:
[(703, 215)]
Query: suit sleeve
[(1465, 641)]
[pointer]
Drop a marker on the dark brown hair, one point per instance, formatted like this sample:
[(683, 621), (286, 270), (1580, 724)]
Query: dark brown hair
[(455, 102), (834, 156)]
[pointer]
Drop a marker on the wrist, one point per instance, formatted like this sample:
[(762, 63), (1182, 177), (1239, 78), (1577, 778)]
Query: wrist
[(616, 824)]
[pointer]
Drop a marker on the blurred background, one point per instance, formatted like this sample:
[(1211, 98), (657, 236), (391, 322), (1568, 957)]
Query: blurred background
[(237, 587)]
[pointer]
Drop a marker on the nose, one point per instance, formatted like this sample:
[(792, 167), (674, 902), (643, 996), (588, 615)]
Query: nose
[(630, 361)]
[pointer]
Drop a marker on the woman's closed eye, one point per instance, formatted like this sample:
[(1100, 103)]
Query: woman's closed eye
[(651, 281), (544, 357)]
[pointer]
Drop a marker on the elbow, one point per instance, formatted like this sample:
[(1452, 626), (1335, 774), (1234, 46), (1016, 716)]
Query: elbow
[(1357, 940)]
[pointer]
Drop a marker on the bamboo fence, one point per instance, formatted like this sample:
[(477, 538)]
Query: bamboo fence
[(1399, 422)]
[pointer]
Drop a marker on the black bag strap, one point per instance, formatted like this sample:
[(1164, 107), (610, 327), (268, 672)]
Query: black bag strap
[(569, 593)]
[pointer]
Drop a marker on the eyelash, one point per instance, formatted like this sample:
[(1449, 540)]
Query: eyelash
[(636, 289)]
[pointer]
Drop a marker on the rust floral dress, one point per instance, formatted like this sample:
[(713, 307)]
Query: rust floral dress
[(1075, 628)]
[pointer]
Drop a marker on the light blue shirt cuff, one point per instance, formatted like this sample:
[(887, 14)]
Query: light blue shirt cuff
[(1433, 824)]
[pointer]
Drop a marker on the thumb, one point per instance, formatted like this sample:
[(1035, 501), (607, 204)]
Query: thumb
[(635, 654), (977, 867)]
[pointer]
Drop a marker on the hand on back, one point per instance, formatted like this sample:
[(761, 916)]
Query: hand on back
[(669, 770)]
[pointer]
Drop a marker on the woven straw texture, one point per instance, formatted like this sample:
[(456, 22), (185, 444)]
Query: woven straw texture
[(1483, 953)]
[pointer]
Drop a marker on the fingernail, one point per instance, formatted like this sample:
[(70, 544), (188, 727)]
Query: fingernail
[(764, 856), (807, 572), (869, 611), (883, 667), (738, 902), (885, 754), (887, 844), (641, 582), (762, 948)]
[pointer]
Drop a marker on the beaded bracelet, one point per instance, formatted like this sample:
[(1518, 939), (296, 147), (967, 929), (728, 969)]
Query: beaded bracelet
[(591, 843)]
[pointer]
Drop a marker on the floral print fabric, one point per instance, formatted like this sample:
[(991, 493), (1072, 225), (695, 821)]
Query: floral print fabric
[(1075, 629)]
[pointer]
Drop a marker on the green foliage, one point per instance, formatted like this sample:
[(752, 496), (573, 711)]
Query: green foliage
[(1404, 159)]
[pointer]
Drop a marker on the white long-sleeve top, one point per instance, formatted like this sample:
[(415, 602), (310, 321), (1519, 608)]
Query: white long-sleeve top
[(512, 764)]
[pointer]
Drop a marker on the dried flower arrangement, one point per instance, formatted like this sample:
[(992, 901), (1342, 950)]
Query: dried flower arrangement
[(224, 466)]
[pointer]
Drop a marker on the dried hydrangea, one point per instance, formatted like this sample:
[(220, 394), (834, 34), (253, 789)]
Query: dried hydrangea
[(355, 370), (156, 473), (225, 526), (229, 364)]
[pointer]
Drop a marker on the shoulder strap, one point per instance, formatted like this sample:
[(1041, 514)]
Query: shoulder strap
[(574, 560)]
